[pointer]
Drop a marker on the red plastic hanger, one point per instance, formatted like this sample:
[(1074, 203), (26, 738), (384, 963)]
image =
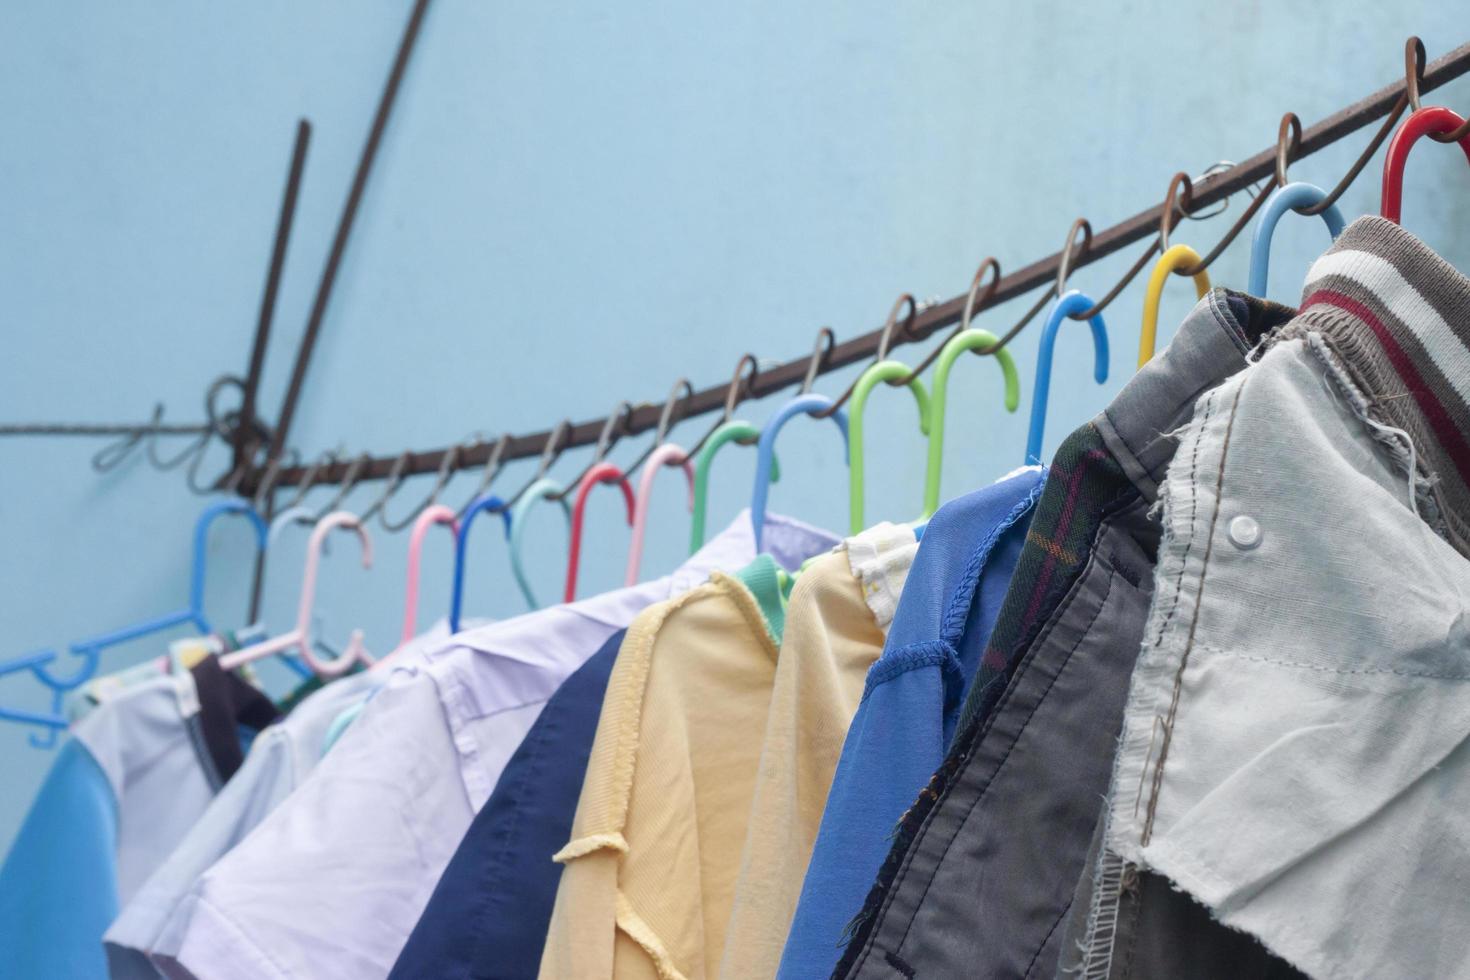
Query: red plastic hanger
[(600, 473), (1430, 119)]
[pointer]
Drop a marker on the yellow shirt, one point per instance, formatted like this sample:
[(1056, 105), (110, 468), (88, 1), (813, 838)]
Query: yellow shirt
[(656, 841), (836, 623)]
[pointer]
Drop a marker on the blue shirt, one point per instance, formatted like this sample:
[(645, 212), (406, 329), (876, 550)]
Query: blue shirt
[(489, 913), (910, 706), (58, 890)]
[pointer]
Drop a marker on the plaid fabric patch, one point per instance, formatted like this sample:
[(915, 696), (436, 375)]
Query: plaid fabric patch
[(1086, 484)]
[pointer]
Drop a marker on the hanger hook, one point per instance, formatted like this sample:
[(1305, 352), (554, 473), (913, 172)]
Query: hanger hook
[(489, 472), (886, 338), (268, 480), (309, 478), (821, 353), (733, 394), (1180, 198), (1286, 148), (349, 481), (447, 466), (1413, 70), (1073, 251), (395, 480), (973, 297), (667, 419), (552, 451), (613, 429), (232, 482)]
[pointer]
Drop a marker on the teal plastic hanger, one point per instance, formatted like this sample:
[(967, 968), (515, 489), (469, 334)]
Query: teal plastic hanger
[(971, 338), (542, 489), (882, 371)]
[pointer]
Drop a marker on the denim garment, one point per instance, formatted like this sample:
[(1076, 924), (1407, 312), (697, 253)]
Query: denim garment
[(986, 863), (1294, 753), (488, 915), (910, 703)]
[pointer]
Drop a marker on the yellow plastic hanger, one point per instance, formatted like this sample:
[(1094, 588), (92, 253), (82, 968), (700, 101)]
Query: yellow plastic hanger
[(1175, 257)]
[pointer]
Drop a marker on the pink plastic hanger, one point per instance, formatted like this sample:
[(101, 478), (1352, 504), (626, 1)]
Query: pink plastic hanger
[(298, 640), (667, 454), (600, 473), (437, 514)]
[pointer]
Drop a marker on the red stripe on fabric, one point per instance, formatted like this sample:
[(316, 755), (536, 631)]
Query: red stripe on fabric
[(1438, 416)]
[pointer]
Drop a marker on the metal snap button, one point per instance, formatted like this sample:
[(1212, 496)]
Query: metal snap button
[(1245, 532)]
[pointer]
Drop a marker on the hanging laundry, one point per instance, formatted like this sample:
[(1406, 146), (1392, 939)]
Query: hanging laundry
[(838, 618), (910, 701), (651, 863), (1284, 761), (985, 862), (489, 913), (139, 770), (280, 757), (379, 819)]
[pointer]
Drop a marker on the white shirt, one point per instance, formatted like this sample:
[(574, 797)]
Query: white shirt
[(280, 757), (333, 881)]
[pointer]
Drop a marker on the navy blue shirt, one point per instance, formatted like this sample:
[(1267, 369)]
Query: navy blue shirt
[(488, 916)]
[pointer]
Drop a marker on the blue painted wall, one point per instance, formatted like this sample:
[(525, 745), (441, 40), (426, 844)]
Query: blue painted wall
[(576, 204)]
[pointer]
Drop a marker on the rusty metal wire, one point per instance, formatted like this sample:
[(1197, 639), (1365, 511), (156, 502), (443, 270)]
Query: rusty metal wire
[(1258, 176)]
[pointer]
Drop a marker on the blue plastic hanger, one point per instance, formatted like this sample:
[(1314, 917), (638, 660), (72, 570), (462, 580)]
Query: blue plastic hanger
[(1292, 197), (765, 452), (487, 502), (39, 663), (1072, 301), (52, 721)]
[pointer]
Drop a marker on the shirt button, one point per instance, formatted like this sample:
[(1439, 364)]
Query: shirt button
[(1245, 532)]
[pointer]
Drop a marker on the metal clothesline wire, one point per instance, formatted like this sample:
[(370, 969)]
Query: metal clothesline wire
[(1185, 197)]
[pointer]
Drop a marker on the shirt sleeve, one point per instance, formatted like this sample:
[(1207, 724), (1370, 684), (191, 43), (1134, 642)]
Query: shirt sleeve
[(58, 887)]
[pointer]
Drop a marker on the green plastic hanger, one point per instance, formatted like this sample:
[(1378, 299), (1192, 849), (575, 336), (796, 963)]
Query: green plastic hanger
[(735, 430), (882, 371), (542, 489), (970, 339)]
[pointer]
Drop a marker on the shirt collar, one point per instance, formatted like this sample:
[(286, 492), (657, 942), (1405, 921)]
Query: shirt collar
[(1210, 345), (1398, 318), (787, 540)]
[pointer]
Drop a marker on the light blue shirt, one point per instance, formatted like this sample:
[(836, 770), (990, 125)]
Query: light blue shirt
[(124, 789), (58, 887)]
